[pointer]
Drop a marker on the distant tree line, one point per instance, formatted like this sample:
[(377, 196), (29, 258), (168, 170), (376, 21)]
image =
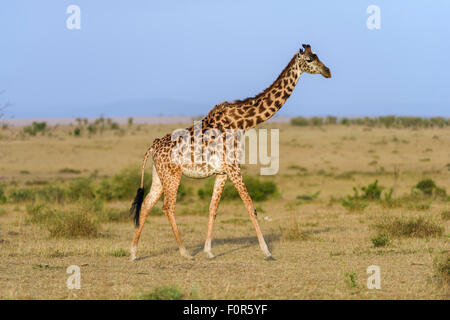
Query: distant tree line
[(382, 121)]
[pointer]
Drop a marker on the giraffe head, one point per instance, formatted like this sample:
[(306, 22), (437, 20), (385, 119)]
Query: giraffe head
[(310, 63)]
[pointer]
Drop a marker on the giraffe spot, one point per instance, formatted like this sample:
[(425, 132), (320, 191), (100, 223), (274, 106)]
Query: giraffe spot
[(249, 123), (267, 114), (261, 109), (240, 123), (278, 104), (250, 112), (278, 94)]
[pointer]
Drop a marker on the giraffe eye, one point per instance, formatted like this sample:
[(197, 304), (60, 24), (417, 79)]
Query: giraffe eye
[(308, 60)]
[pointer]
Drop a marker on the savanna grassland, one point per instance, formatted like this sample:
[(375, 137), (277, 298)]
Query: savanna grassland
[(346, 196)]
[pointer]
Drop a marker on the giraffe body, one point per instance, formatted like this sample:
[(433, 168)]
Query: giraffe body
[(173, 157)]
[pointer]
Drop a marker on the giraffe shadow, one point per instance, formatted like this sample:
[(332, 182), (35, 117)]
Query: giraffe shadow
[(245, 242)]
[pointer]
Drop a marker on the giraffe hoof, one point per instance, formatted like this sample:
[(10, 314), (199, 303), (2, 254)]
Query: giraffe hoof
[(210, 255), (186, 254), (270, 258)]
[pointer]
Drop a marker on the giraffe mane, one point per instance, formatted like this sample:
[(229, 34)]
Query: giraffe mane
[(249, 100)]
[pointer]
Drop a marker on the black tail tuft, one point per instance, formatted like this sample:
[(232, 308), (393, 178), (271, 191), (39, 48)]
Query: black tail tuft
[(137, 204)]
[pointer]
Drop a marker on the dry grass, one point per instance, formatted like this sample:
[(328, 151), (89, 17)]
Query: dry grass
[(322, 249), (413, 227)]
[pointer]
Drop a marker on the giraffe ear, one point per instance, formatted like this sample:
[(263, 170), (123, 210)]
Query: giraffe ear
[(301, 50)]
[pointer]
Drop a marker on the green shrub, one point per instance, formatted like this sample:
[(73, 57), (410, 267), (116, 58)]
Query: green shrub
[(72, 225), (445, 215), (442, 268), (119, 253), (293, 232), (77, 132), (354, 204), (426, 186), (2, 194), (257, 189), (21, 195), (429, 188), (163, 293), (351, 279), (114, 215), (81, 188), (299, 121), (39, 213), (372, 191), (308, 197), (410, 227), (35, 128), (316, 121), (69, 170), (122, 185), (51, 193), (381, 240)]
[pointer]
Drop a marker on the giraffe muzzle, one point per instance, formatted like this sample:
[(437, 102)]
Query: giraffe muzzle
[(326, 73)]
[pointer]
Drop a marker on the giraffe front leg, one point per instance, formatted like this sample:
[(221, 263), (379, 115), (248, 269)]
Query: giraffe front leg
[(236, 178), (218, 188)]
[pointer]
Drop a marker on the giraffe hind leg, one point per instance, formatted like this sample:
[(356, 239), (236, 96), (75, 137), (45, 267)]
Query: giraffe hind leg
[(171, 181), (217, 193), (150, 200)]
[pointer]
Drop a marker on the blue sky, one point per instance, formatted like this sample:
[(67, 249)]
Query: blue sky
[(136, 58)]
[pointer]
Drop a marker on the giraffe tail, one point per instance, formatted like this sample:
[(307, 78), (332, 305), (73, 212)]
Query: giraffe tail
[(139, 199)]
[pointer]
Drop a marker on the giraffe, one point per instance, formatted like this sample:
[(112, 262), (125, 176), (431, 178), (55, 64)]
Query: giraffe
[(237, 115)]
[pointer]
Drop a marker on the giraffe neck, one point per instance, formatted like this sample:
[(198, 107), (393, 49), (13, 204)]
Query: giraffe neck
[(248, 113)]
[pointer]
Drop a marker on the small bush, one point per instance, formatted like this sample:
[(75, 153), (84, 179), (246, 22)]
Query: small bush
[(115, 215), (351, 279), (429, 188), (21, 195), (294, 232), (445, 215), (257, 189), (442, 268), (410, 227), (69, 170), (2, 194), (119, 253), (72, 225), (122, 185), (51, 193), (381, 240), (308, 197), (299, 121), (35, 128), (354, 204), (81, 188), (163, 293), (39, 214), (63, 224), (372, 191), (426, 186)]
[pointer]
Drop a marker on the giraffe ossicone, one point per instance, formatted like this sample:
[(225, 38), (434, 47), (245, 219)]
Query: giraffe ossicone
[(218, 133)]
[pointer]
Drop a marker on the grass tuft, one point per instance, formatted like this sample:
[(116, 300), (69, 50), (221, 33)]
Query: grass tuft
[(381, 240), (171, 292), (415, 227)]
